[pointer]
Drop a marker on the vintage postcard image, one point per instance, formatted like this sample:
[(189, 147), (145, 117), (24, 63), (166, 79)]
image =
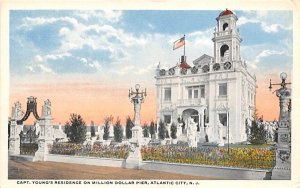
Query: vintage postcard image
[(149, 97)]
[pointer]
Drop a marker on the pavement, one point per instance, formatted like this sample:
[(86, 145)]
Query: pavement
[(54, 170)]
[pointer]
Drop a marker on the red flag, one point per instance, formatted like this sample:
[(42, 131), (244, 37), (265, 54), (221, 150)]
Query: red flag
[(179, 43)]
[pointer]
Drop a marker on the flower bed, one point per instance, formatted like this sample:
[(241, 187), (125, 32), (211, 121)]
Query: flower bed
[(97, 150), (261, 158)]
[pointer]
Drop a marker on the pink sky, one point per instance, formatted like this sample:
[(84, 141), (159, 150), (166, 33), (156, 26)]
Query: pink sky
[(96, 101)]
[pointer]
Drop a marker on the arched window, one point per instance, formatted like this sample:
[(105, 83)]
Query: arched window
[(225, 26), (224, 49)]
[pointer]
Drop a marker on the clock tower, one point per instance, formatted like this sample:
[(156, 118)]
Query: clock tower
[(226, 40)]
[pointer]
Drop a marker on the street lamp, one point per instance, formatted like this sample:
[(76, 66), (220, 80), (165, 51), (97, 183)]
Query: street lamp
[(284, 96), (283, 84), (137, 98), (282, 170)]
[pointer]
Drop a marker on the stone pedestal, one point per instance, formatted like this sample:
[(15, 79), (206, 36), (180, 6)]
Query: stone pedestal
[(137, 134), (282, 169), (134, 158), (14, 140), (45, 139)]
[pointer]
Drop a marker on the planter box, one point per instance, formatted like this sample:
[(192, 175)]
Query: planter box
[(228, 173), (110, 162)]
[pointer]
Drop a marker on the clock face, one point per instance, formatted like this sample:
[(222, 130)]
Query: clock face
[(205, 68), (194, 70), (183, 71), (216, 67), (162, 72), (227, 65), (171, 71)]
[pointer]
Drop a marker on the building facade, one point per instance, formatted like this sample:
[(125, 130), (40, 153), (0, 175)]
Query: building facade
[(216, 91)]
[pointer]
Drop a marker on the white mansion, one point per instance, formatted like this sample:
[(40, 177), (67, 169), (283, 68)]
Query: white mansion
[(217, 92)]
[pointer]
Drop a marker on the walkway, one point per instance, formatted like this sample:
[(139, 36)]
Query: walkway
[(54, 170)]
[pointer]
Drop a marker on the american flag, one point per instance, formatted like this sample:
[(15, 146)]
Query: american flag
[(178, 43)]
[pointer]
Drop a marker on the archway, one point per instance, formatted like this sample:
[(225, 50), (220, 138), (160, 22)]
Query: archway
[(224, 50), (190, 113), (225, 26), (31, 107)]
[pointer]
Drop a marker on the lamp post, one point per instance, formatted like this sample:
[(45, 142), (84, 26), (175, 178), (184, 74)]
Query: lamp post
[(282, 169), (284, 97), (137, 98), (134, 158)]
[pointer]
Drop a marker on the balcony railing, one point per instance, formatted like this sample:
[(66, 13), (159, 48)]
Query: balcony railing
[(192, 102)]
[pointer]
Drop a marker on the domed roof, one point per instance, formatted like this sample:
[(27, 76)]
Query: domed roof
[(226, 12)]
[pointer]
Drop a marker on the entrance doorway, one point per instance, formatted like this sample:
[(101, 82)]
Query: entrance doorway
[(190, 113)]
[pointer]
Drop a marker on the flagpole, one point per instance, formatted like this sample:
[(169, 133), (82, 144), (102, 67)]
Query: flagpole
[(184, 47)]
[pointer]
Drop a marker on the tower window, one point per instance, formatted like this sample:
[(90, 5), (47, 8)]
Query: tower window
[(225, 26), (167, 94), (223, 89), (224, 49)]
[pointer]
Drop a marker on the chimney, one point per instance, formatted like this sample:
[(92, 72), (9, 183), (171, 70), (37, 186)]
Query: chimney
[(183, 59)]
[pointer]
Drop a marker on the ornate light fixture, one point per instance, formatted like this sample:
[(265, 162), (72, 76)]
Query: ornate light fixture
[(283, 84)]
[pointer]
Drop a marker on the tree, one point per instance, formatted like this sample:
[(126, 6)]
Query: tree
[(76, 129), (152, 129), (161, 130), (257, 131), (173, 131), (107, 122), (118, 131), (145, 130), (129, 125), (93, 132)]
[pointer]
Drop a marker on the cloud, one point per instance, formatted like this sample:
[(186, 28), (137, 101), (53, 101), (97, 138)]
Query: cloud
[(45, 58), (29, 22), (94, 42), (273, 28), (263, 54), (39, 68), (270, 22), (107, 15), (94, 64)]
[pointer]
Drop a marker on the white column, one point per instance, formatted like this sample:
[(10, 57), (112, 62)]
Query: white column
[(46, 132), (14, 139)]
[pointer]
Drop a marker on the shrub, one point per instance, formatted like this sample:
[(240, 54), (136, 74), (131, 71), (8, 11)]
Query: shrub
[(97, 150), (76, 129), (129, 125), (118, 131), (173, 131), (161, 130)]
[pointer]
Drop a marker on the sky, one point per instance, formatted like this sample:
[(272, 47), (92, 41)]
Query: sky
[(86, 61)]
